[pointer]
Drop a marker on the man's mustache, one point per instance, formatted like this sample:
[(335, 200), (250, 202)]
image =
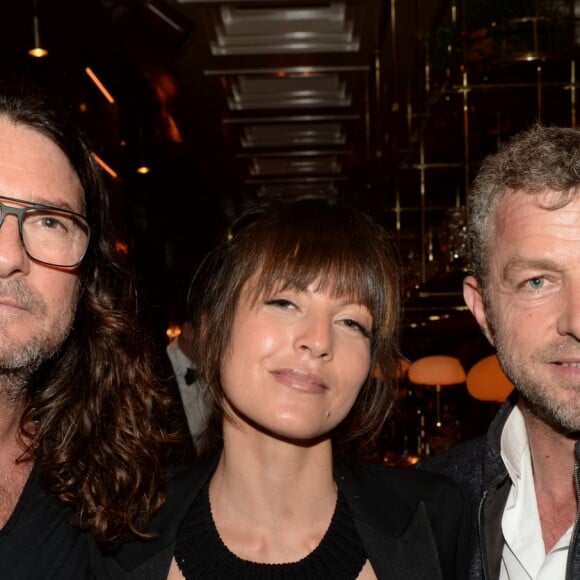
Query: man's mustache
[(23, 296)]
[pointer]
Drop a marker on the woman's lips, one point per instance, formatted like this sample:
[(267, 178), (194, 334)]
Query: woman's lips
[(300, 379)]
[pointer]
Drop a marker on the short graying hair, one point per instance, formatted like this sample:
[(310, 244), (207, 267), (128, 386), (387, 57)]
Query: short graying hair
[(538, 159)]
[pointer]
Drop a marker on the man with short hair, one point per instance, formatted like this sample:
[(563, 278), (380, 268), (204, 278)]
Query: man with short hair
[(524, 292)]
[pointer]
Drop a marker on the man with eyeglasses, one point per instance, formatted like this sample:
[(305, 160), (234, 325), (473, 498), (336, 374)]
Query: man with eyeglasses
[(85, 427)]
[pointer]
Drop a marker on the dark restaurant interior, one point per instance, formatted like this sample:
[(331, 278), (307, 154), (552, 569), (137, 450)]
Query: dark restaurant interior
[(197, 108)]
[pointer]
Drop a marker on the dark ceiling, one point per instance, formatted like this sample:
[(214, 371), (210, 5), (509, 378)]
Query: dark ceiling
[(390, 103)]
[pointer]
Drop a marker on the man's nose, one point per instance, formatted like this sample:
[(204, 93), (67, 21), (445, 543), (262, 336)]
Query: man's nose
[(569, 317), (13, 257)]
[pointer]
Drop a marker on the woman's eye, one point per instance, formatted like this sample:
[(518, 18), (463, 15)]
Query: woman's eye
[(350, 323), (279, 302)]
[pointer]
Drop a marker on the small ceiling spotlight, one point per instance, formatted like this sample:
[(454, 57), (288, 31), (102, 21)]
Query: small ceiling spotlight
[(37, 51)]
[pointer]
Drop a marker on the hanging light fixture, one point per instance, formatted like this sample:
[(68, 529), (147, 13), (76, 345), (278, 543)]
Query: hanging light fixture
[(37, 50), (143, 167)]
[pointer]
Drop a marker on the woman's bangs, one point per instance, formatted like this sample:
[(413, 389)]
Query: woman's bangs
[(335, 269)]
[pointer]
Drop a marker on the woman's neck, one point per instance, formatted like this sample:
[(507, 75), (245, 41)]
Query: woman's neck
[(272, 500)]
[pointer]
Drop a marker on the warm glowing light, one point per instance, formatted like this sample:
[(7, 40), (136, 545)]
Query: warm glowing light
[(122, 247), (143, 169), (173, 331), (100, 85), (172, 130), (412, 459), (486, 380), (38, 52), (436, 370), (104, 165)]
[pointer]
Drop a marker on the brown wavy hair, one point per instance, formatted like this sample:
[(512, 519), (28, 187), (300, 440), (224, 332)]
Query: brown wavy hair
[(99, 418), (293, 243)]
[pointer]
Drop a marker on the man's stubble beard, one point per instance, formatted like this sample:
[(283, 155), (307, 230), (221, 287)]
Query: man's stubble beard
[(21, 358), (541, 399)]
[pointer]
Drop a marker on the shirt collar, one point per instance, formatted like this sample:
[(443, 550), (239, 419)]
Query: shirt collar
[(514, 444)]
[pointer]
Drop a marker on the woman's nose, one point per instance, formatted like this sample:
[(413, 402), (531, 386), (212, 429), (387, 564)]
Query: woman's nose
[(315, 335)]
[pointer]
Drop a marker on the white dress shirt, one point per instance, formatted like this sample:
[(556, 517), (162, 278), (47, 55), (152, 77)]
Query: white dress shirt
[(192, 397), (524, 555)]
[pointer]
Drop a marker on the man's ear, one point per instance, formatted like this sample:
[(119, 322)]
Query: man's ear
[(472, 294)]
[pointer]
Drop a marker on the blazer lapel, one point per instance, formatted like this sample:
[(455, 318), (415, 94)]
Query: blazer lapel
[(398, 539), (409, 556)]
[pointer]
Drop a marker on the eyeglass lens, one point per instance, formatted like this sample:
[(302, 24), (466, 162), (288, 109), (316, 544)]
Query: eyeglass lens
[(51, 236)]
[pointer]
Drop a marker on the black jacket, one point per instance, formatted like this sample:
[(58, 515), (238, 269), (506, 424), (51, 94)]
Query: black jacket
[(413, 524), (478, 467)]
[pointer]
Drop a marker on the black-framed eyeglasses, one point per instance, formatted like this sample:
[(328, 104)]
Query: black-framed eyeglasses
[(50, 235)]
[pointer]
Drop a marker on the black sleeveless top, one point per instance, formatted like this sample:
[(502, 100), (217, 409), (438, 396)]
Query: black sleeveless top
[(201, 554)]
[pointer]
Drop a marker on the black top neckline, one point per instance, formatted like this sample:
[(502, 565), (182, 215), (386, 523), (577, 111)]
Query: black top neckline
[(201, 553)]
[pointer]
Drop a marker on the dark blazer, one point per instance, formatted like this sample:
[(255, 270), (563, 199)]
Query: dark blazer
[(414, 525), (477, 466)]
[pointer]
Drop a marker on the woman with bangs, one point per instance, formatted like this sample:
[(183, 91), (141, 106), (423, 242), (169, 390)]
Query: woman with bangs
[(293, 313)]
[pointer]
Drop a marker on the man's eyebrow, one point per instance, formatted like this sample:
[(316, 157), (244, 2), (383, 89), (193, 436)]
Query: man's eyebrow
[(58, 204), (519, 263)]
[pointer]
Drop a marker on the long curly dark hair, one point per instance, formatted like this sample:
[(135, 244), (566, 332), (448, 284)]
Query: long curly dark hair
[(98, 416)]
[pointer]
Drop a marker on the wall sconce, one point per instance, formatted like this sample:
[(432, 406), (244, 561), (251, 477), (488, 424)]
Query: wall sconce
[(37, 50)]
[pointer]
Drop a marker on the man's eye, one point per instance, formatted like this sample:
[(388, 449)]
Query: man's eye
[(50, 223), (536, 283)]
